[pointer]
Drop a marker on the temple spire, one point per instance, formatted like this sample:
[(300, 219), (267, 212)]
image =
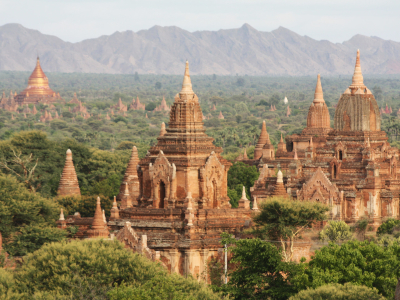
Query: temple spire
[(358, 79), (187, 83), (98, 220), (163, 130), (130, 180), (69, 185), (318, 95)]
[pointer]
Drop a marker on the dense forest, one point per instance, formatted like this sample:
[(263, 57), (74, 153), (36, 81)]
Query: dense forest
[(243, 101)]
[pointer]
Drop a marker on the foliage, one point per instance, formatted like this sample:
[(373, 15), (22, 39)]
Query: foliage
[(85, 205), (388, 226), (215, 271), (347, 291), (361, 263), (23, 215), (336, 231), (361, 227), (239, 175), (260, 272), (30, 238), (92, 165), (90, 269), (284, 221), (173, 286)]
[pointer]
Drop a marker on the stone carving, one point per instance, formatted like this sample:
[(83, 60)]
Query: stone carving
[(162, 176)]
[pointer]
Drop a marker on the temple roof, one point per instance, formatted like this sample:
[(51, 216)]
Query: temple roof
[(38, 83), (358, 79)]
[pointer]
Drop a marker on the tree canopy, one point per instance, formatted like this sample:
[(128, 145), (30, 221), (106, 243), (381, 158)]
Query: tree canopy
[(361, 263), (284, 220), (347, 291), (93, 269), (27, 219)]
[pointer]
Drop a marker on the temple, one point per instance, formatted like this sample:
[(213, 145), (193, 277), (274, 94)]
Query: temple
[(173, 202), (38, 89), (351, 167), (68, 185), (136, 105), (163, 106)]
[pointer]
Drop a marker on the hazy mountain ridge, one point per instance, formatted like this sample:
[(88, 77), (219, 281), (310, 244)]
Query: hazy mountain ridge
[(163, 50)]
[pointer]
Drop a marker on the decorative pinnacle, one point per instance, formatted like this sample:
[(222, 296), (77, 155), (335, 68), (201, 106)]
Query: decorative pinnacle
[(281, 141), (279, 178), (163, 130), (255, 206), (295, 154), (115, 202), (358, 79), (187, 83), (318, 95), (62, 215), (244, 197), (126, 189), (69, 154)]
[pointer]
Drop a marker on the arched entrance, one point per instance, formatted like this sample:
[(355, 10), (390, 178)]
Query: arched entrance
[(214, 195), (161, 194), (334, 172)]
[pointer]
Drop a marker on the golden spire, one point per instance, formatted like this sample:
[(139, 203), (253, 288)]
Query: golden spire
[(318, 95), (187, 83), (38, 83), (358, 80)]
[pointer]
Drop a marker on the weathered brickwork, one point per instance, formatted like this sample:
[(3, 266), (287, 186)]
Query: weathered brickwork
[(350, 168)]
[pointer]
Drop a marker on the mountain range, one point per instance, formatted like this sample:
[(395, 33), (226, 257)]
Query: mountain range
[(163, 50)]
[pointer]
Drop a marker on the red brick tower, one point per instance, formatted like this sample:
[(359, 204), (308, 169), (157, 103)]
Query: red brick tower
[(69, 185)]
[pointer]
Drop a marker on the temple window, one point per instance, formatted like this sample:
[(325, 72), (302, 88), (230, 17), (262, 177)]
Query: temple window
[(340, 154)]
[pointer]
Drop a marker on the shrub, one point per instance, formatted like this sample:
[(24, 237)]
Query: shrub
[(347, 291)]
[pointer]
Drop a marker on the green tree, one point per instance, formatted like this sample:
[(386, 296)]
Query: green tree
[(284, 221), (388, 226), (240, 82), (30, 238), (90, 269), (260, 272), (347, 291), (85, 205), (336, 231), (158, 85), (361, 263), (23, 215), (136, 77), (239, 175)]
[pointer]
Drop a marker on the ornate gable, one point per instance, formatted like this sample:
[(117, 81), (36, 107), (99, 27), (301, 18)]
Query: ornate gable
[(320, 188), (162, 169), (212, 177)]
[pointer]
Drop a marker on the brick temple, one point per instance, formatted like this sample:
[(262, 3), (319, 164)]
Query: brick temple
[(173, 203), (351, 167)]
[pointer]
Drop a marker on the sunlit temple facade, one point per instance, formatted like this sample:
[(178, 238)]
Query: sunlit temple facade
[(351, 167)]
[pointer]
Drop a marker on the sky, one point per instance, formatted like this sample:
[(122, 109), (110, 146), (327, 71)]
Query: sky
[(333, 20)]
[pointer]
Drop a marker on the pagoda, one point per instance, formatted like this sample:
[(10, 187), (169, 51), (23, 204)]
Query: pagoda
[(38, 89), (351, 168), (163, 106), (136, 105), (177, 194)]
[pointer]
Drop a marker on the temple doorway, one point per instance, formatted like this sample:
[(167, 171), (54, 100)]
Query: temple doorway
[(161, 194), (214, 195)]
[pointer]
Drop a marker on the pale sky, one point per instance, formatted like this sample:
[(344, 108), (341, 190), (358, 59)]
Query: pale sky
[(333, 20)]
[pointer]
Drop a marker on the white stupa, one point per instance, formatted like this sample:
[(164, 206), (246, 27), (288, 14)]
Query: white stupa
[(285, 100)]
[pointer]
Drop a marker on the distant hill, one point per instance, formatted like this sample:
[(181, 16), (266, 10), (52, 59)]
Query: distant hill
[(163, 50)]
